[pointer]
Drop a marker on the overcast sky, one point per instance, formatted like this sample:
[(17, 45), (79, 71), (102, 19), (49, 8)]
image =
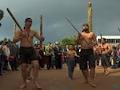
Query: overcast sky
[(106, 18)]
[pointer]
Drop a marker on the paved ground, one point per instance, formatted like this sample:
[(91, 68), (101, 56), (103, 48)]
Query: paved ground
[(57, 80)]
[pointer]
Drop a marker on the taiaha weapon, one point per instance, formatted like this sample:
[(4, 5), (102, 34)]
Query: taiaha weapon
[(16, 22), (72, 24), (14, 19), (41, 27), (75, 28), (1, 14), (41, 24)]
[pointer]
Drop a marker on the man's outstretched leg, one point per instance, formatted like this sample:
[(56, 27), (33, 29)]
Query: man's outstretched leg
[(35, 74), (92, 77), (24, 75)]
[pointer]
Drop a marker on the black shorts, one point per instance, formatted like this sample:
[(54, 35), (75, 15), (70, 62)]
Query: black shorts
[(105, 60), (27, 54), (87, 59)]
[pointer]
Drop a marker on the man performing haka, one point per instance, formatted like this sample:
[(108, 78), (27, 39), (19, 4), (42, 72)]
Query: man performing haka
[(87, 40), (27, 52), (106, 49)]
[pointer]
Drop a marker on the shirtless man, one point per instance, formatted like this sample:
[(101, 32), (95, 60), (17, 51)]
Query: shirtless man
[(105, 56), (87, 40), (27, 52)]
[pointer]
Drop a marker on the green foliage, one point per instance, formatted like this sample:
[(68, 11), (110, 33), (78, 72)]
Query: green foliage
[(68, 41)]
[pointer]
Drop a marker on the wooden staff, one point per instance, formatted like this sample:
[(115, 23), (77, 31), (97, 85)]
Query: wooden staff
[(41, 27), (1, 14), (72, 24), (14, 19), (16, 22)]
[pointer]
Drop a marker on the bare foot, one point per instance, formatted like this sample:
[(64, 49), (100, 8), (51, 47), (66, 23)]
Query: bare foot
[(92, 84), (37, 86), (29, 79), (23, 86), (107, 73)]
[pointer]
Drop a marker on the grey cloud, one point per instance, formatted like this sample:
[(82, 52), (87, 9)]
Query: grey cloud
[(105, 19)]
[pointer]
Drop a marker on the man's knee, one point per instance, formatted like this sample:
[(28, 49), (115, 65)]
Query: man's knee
[(35, 64), (24, 67)]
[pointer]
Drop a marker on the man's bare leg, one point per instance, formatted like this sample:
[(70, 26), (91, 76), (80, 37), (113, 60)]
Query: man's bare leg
[(92, 77), (35, 73), (92, 74), (29, 69), (86, 75), (106, 71), (24, 75)]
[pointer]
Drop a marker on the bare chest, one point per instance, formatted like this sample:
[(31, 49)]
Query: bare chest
[(87, 36)]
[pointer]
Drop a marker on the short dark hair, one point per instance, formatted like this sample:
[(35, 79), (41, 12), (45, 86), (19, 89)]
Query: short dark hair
[(28, 19), (85, 24)]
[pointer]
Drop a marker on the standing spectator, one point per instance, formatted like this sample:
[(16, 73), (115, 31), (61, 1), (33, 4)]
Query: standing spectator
[(13, 55), (2, 61), (105, 56), (7, 54), (70, 55), (58, 54)]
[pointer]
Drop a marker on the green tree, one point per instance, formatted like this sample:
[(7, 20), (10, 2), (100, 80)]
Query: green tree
[(68, 41)]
